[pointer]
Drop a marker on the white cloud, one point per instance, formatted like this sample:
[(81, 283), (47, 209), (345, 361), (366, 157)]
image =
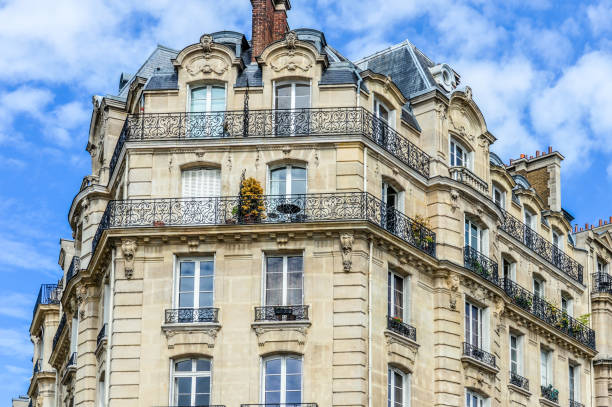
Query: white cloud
[(600, 16), (16, 305), (15, 342)]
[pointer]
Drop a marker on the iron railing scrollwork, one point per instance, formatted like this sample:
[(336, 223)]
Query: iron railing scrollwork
[(550, 393), (59, 330), (101, 335), (48, 294), (281, 313), (342, 121), (191, 315), (73, 270), (481, 264), (534, 241), (519, 381), (479, 354), (399, 327), (467, 177), (347, 206), (602, 283), (548, 313), (574, 403)]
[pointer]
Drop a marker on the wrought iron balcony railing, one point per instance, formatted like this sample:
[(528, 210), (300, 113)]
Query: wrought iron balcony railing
[(574, 403), (602, 283), (281, 405), (191, 315), (548, 313), (271, 123), (101, 335), (38, 366), (48, 294), (479, 354), (480, 264), (397, 326), (348, 206), (59, 330), (519, 381), (550, 393), (281, 313), (467, 177), (73, 270), (551, 253)]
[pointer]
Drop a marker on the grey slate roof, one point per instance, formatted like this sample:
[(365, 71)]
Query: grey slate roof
[(163, 81), (160, 60), (409, 117), (252, 73)]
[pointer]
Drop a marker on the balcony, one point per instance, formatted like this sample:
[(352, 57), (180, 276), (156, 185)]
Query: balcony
[(480, 264), (48, 294), (59, 330), (73, 270), (551, 315), (281, 313), (519, 381), (602, 283), (101, 335), (351, 121), (467, 177), (551, 253), (574, 403), (191, 315), (396, 325), (550, 393), (70, 368), (480, 355), (308, 208)]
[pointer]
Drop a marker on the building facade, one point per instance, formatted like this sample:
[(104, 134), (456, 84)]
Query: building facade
[(269, 223)]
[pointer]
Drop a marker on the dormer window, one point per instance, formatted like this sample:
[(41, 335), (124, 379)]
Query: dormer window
[(530, 219), (292, 95), (459, 155)]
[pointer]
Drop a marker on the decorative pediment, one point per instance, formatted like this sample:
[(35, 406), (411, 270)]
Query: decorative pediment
[(190, 335), (291, 56), (281, 337), (207, 58), (207, 64), (298, 62), (466, 119)]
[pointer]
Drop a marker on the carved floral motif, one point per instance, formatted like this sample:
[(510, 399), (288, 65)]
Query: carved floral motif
[(346, 241), (128, 247), (207, 64)]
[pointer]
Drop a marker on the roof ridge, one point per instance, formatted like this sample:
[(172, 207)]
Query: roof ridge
[(384, 51)]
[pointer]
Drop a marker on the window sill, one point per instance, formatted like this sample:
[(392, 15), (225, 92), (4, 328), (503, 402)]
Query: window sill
[(548, 403), (190, 326), (488, 368), (519, 390), (285, 324)]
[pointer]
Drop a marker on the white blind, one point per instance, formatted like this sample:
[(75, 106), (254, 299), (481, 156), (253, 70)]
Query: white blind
[(201, 182)]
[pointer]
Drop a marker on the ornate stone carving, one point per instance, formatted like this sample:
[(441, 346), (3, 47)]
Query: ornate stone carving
[(346, 241), (206, 42), (453, 282), (208, 64), (468, 93), (128, 247), (292, 60), (387, 83), (454, 194), (193, 244), (291, 39)]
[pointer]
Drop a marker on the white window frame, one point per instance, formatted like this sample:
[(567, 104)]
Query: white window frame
[(502, 195), (467, 156), (542, 290), (531, 219), (546, 370), (559, 238), (406, 381), (106, 304), (74, 335), (482, 236), (512, 268), (482, 325), (208, 86), (519, 352), (102, 390), (196, 282), (405, 294), (283, 386), (390, 113), (567, 304), (173, 397), (399, 196), (575, 371), (292, 83), (470, 396), (288, 180), (285, 278)]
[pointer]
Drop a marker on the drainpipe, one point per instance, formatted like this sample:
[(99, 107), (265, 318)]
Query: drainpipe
[(127, 175), (365, 170), (370, 325), (590, 309), (359, 81), (109, 334)]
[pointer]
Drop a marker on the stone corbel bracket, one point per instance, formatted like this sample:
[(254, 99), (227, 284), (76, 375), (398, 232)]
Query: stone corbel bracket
[(346, 242), (128, 247), (273, 337), (190, 335)]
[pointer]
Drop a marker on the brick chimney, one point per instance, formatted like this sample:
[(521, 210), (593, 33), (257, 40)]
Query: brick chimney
[(269, 23)]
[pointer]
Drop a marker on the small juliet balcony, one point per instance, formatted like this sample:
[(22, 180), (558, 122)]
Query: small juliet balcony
[(101, 339), (538, 244), (396, 325), (58, 332), (550, 393), (602, 283), (70, 368), (281, 313), (192, 315), (479, 355), (48, 294), (574, 403), (73, 270), (480, 264), (272, 123), (467, 177), (519, 381)]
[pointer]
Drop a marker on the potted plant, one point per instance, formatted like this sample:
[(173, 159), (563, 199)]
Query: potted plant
[(252, 206), (159, 223), (397, 319), (419, 222)]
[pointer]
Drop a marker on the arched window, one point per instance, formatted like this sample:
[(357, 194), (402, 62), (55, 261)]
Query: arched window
[(282, 380), (201, 182), (191, 380), (398, 388), (288, 180), (460, 156)]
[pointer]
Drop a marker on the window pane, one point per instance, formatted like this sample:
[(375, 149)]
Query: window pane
[(183, 366), (294, 297), (183, 385), (294, 365), (278, 181), (186, 300), (207, 268), (187, 269), (184, 400), (202, 399), (283, 96), (295, 263), (273, 397), (186, 284), (294, 382), (302, 96), (273, 366), (206, 299), (203, 365), (294, 396), (206, 283), (198, 99), (218, 99), (203, 385), (273, 382), (298, 181)]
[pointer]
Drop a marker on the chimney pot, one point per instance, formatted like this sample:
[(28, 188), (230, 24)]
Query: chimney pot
[(269, 24), (600, 222), (537, 153), (549, 150), (522, 155), (531, 157)]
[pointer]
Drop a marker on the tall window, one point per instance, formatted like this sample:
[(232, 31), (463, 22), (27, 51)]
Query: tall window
[(516, 357), (201, 182), (509, 268), (191, 381), (473, 325), (195, 288), (397, 296), (282, 380), (74, 334), (545, 367), (499, 197), (567, 304), (391, 203), (292, 95), (208, 99), (288, 180), (574, 382), (398, 388), (538, 287), (530, 219), (284, 280), (473, 400), (473, 235), (101, 391), (459, 156)]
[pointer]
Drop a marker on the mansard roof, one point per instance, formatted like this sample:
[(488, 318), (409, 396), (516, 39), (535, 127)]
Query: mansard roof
[(159, 61)]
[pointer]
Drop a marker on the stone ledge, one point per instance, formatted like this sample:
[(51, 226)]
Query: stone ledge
[(519, 390), (281, 336), (548, 403), (191, 333), (479, 364)]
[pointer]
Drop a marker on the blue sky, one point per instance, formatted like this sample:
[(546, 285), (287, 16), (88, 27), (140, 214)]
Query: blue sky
[(541, 71)]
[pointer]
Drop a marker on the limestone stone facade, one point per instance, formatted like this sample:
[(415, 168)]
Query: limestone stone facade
[(396, 259)]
